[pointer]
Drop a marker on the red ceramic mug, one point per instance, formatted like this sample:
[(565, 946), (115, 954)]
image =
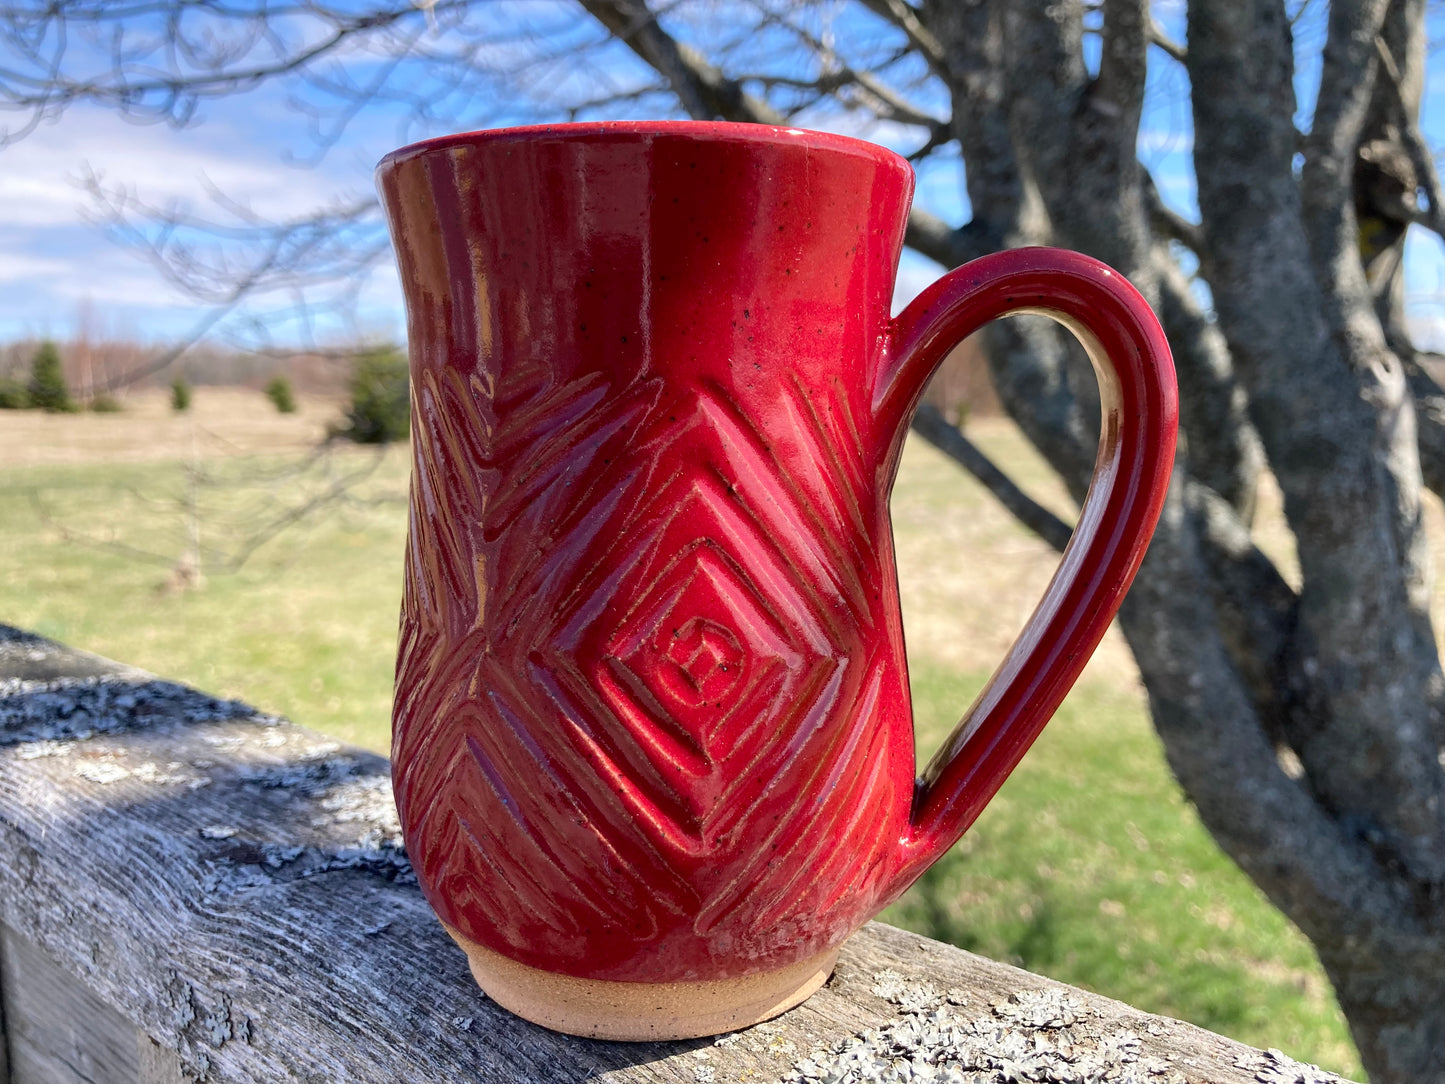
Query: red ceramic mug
[(653, 746)]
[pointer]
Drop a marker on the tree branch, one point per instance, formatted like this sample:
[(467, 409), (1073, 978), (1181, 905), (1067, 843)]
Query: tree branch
[(1326, 189), (931, 236), (1169, 223), (1028, 357), (1081, 133), (882, 100), (1223, 448), (714, 95), (1124, 60), (1257, 612), (1427, 177), (906, 19), (339, 490), (1165, 42), (704, 91), (932, 426), (203, 69), (1045, 38), (1429, 399)]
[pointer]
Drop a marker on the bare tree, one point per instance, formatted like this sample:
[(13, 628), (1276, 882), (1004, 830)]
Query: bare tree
[(1305, 724)]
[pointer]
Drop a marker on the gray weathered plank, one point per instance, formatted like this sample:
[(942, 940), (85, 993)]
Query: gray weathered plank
[(60, 1032), (4, 1041), (235, 888), (64, 1033), (157, 1065)]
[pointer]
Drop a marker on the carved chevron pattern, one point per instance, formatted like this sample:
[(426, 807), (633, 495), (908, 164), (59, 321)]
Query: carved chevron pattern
[(637, 713)]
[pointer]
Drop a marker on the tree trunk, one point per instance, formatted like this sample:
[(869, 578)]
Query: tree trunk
[(1344, 675), (1391, 995)]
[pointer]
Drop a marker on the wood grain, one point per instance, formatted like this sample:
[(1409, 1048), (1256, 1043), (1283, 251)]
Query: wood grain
[(4, 1041), (232, 889), (60, 1031)]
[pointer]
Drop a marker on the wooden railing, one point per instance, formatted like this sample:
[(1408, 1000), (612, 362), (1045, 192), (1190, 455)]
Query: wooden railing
[(190, 890)]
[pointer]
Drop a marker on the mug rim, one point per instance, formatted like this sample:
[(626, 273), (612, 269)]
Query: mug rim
[(623, 131)]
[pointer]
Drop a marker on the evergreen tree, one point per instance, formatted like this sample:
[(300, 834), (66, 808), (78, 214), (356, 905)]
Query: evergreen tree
[(48, 390), (380, 409), (281, 396)]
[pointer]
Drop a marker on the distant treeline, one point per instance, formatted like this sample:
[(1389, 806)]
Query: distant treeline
[(373, 380), (92, 366)]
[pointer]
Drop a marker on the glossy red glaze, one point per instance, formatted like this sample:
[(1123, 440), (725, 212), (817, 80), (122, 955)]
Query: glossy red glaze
[(652, 717)]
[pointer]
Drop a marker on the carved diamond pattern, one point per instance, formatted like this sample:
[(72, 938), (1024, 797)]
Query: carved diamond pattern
[(699, 651), (708, 661), (641, 694), (705, 671)]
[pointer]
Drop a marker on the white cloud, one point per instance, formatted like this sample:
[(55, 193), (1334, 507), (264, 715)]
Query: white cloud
[(36, 202), (20, 267), (52, 256), (119, 283), (40, 176), (107, 276)]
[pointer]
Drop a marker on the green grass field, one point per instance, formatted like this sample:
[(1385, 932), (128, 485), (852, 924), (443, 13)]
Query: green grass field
[(1089, 866)]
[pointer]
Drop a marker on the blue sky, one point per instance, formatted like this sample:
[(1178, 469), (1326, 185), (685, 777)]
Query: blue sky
[(56, 258), (58, 266)]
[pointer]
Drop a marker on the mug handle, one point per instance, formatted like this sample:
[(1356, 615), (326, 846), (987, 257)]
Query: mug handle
[(1131, 475)]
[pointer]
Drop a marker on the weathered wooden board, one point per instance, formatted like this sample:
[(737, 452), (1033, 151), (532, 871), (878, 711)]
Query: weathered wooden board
[(233, 888), (60, 1031), (4, 1042)]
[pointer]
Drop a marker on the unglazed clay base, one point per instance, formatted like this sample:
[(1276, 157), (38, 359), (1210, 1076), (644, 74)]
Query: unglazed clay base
[(642, 1011)]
